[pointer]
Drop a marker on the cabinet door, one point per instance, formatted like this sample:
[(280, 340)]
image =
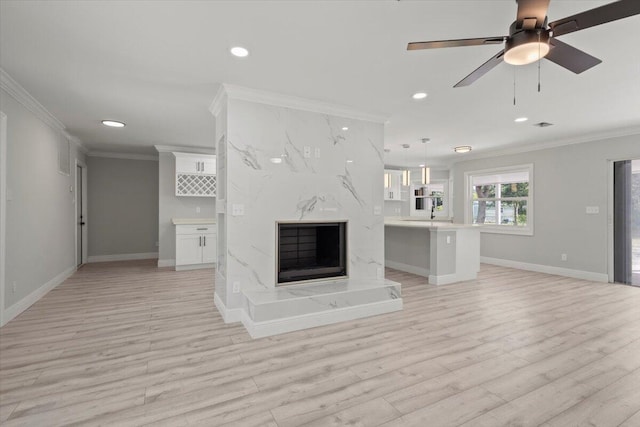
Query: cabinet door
[(188, 249), (209, 248), (188, 164), (208, 165)]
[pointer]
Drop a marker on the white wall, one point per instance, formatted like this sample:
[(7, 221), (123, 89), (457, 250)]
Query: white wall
[(41, 214), (567, 179), (122, 207), (171, 206)]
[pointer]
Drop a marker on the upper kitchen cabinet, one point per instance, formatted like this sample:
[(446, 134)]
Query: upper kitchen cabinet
[(195, 175)]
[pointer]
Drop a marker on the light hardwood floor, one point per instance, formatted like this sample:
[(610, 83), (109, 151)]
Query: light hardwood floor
[(129, 344)]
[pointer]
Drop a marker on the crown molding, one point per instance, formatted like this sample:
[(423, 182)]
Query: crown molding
[(183, 149), (20, 94), (127, 156), (581, 139), (264, 97)]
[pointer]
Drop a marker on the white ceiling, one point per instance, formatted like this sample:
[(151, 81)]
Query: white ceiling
[(157, 66)]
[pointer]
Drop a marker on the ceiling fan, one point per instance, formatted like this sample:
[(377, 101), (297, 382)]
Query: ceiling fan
[(532, 38)]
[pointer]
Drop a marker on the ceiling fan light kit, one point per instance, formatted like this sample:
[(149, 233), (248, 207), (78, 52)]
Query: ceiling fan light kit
[(531, 38)]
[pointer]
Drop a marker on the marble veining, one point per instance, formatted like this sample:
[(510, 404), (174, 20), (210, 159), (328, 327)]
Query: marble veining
[(248, 155), (348, 184)]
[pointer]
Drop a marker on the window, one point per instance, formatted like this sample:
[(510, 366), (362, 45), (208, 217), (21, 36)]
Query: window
[(501, 200), (430, 200)]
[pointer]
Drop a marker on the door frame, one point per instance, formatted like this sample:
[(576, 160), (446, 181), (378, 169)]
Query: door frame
[(3, 210), (85, 234)]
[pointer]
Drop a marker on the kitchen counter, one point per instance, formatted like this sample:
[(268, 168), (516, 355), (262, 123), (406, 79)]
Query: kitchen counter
[(441, 251), (192, 221)]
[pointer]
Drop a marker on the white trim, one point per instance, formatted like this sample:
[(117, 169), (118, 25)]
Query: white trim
[(264, 97), (166, 263), (229, 315), (122, 257), (194, 150), (311, 320), (444, 279), (3, 208), (34, 296), (539, 268), (127, 156), (501, 229), (420, 271), (20, 94), (545, 145), (195, 266), (610, 220)]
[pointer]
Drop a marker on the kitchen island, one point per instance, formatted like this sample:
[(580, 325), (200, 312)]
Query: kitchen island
[(441, 251)]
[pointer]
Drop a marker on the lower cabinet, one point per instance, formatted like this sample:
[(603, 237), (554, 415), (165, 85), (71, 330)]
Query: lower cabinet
[(195, 246)]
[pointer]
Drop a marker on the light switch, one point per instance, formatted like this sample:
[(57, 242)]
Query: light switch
[(197, 209), (307, 152), (317, 152), (593, 210), (377, 210)]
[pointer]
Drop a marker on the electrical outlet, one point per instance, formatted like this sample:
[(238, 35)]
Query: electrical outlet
[(13, 288), (377, 210), (307, 152), (448, 240), (237, 210), (197, 209), (317, 152), (592, 210), (379, 272), (236, 287), (563, 257)]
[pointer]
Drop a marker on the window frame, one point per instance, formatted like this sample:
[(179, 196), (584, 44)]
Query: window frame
[(499, 228)]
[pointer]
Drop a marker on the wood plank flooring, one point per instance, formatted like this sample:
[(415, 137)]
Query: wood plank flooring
[(128, 344)]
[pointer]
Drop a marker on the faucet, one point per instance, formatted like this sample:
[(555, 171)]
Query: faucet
[(433, 215)]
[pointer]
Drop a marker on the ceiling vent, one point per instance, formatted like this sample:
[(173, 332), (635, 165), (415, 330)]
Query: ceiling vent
[(543, 124)]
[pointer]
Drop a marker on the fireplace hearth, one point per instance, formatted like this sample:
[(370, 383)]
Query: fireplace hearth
[(311, 251)]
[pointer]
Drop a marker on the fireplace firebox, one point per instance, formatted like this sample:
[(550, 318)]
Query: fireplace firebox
[(309, 251)]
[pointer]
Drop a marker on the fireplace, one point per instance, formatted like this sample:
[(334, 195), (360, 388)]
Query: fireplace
[(311, 250)]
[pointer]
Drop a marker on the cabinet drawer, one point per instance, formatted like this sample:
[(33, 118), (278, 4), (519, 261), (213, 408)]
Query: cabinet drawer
[(196, 229)]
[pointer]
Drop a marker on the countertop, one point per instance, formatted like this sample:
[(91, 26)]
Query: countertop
[(192, 221), (425, 223)]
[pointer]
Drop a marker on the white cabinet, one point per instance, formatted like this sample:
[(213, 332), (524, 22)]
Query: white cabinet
[(431, 200), (195, 246), (392, 184), (195, 175)]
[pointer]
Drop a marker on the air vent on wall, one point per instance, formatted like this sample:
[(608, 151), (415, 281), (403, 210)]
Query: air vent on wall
[(543, 124)]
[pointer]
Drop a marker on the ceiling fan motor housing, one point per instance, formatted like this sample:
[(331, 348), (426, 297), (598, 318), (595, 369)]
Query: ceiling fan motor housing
[(526, 46)]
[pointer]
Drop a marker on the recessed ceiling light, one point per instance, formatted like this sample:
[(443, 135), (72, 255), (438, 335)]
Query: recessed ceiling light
[(420, 95), (113, 123), (521, 119), (349, 161), (462, 149), (421, 166), (345, 128), (239, 51)]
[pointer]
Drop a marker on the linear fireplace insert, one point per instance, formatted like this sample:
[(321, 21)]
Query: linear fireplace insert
[(311, 250)]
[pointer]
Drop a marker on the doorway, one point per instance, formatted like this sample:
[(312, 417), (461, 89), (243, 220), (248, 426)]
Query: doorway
[(626, 222), (81, 213), (3, 208)]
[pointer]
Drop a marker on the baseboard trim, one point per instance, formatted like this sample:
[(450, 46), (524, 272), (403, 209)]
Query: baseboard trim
[(539, 268), (444, 279), (420, 271), (26, 302), (166, 263), (229, 315), (122, 257), (195, 266), (311, 320)]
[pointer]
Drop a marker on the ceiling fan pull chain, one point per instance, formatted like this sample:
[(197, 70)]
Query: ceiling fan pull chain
[(539, 61), (514, 86)]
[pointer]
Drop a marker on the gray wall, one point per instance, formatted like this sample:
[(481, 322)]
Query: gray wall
[(566, 180), (41, 215), (171, 206), (122, 206)]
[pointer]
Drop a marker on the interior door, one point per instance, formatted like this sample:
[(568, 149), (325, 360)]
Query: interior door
[(80, 219)]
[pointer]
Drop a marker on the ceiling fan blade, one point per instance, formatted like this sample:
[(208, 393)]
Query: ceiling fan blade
[(482, 70), (529, 10), (455, 43), (599, 15), (570, 58)]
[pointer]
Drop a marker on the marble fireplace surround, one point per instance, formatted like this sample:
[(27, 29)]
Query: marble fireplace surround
[(325, 174)]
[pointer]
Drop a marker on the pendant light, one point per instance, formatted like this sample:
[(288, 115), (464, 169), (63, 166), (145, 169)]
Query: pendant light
[(406, 173), (426, 171)]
